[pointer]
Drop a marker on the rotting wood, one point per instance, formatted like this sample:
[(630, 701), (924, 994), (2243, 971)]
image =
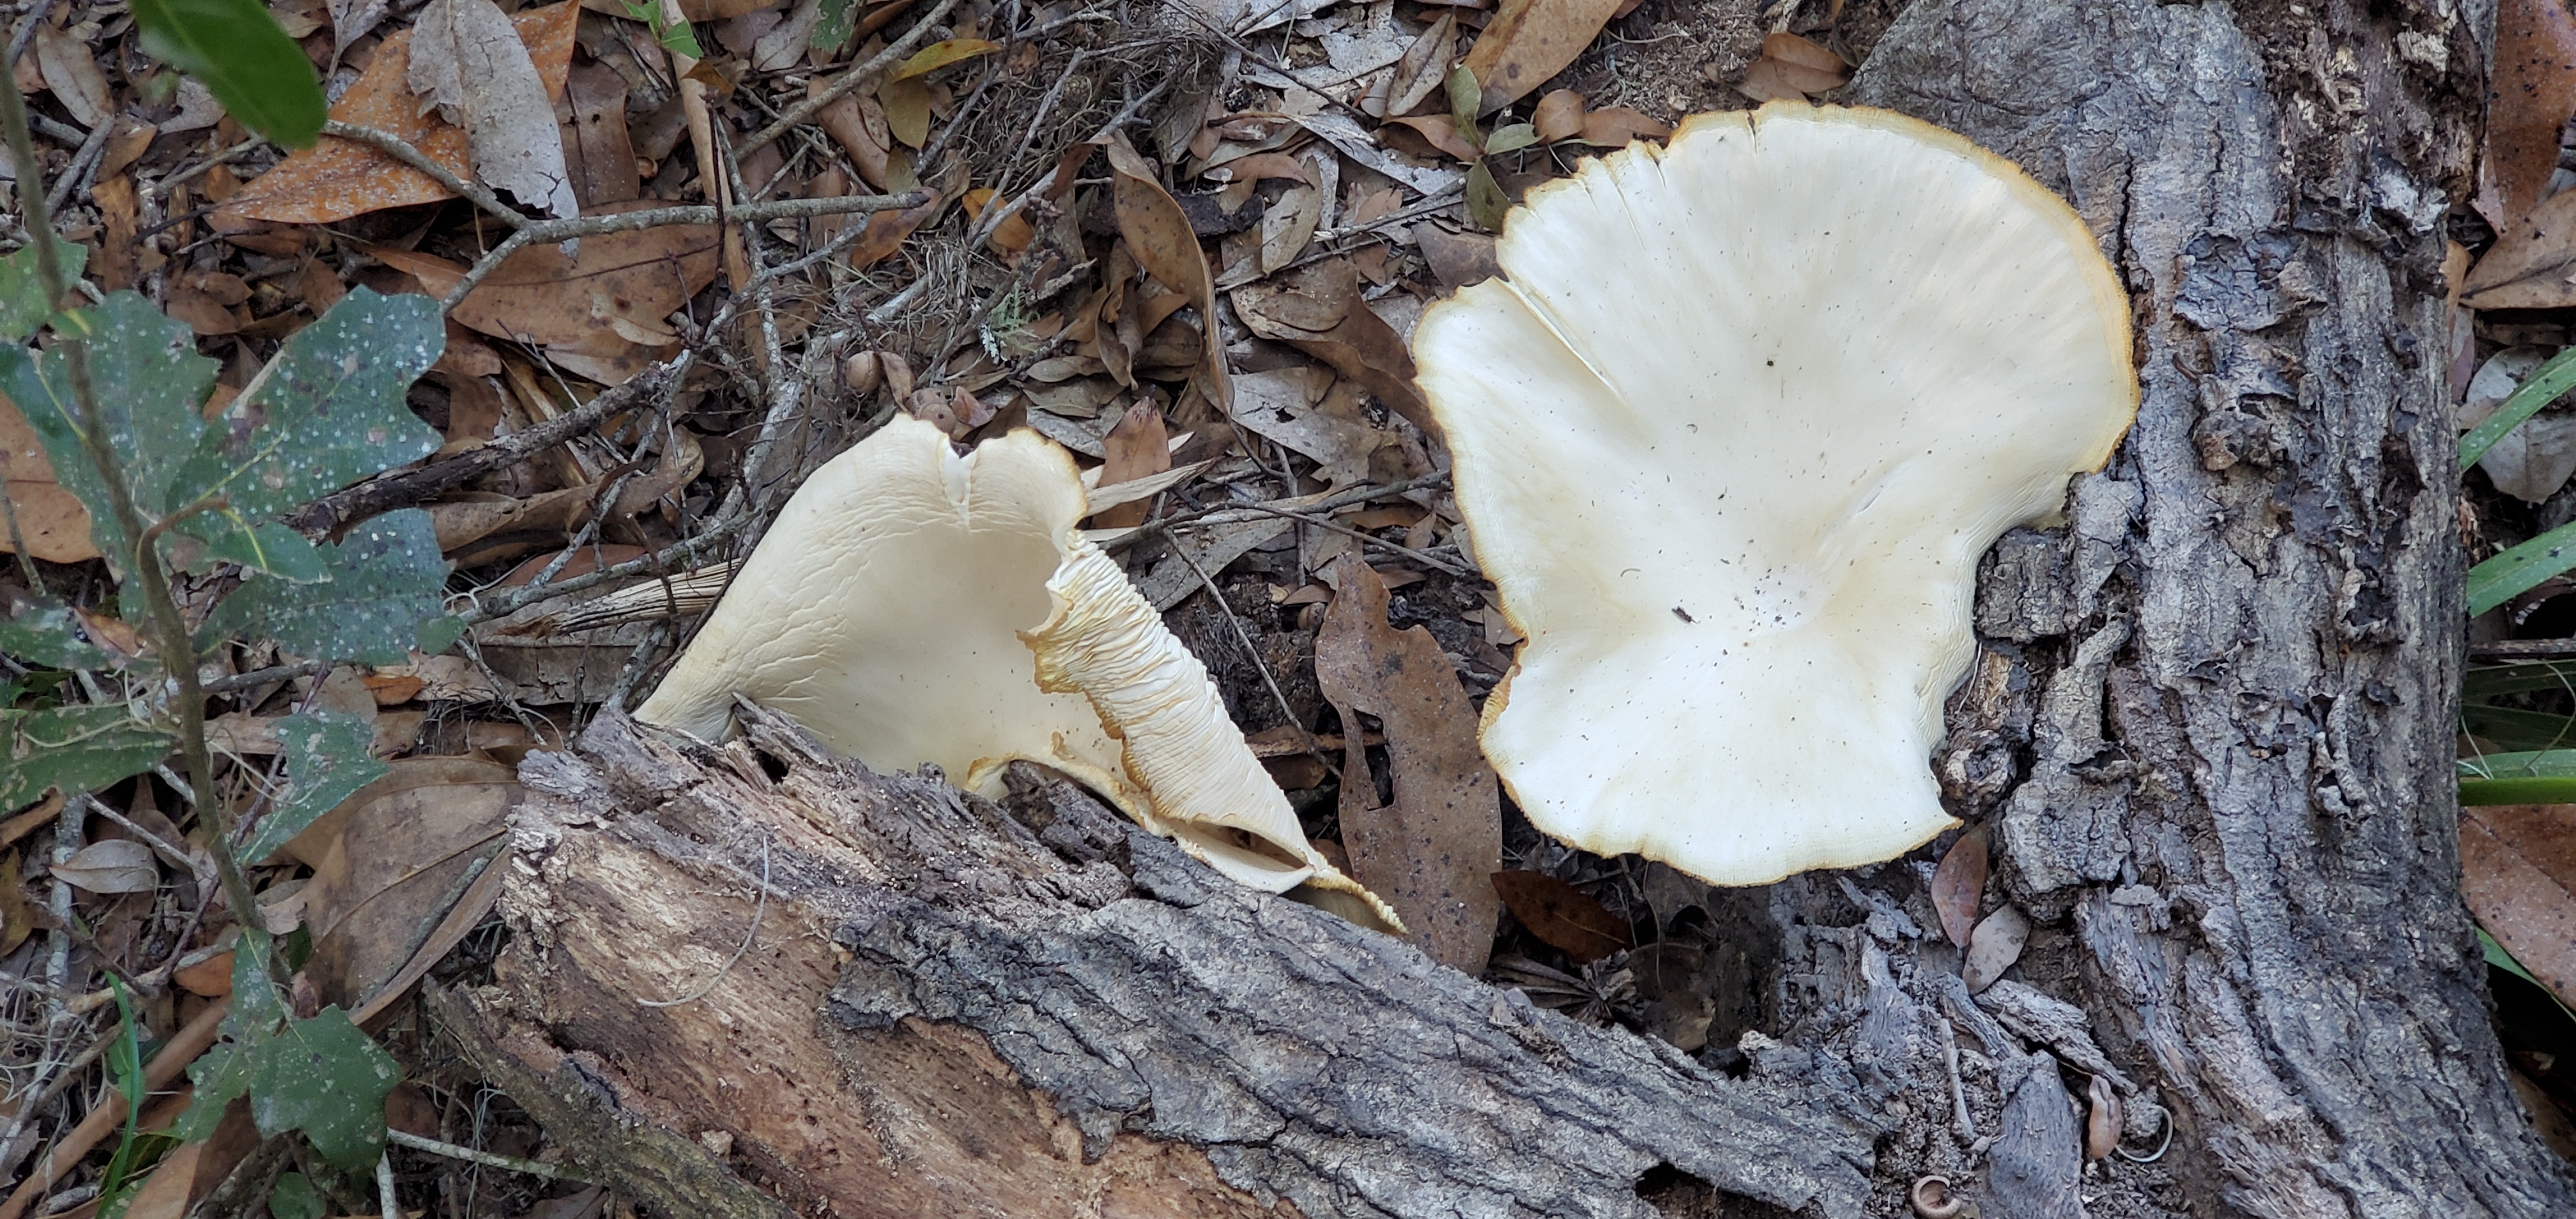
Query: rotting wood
[(953, 1008)]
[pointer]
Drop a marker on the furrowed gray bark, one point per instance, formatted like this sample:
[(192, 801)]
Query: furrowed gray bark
[(955, 1010), (2240, 660)]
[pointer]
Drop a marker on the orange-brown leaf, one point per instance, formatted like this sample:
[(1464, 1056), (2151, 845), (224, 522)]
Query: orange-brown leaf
[(1959, 885), (2533, 92), (539, 296), (1559, 116), (52, 519), (1137, 447), (2518, 874), (1562, 915), (336, 179), (1530, 41), (1430, 855)]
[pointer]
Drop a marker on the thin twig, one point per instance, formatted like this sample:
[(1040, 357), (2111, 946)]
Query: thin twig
[(76, 176), (1345, 530), (488, 1159), (1214, 513), (864, 72)]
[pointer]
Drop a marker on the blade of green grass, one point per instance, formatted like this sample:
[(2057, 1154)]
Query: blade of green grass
[(2539, 389), (2522, 568)]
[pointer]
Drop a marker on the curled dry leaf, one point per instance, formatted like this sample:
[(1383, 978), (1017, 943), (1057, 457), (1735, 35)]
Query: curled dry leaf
[(1794, 68), (1139, 447), (1959, 885), (116, 865), (336, 179), (467, 59), (2533, 92), (1159, 234), (1994, 946), (1431, 853), (1616, 126), (1558, 116), (1529, 41), (1317, 309), (1561, 915)]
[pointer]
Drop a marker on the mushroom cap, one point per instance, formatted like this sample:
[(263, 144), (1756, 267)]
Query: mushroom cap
[(913, 605), (1730, 437)]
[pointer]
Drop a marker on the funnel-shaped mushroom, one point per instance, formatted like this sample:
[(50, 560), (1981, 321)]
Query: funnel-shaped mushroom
[(913, 605), (1730, 437)]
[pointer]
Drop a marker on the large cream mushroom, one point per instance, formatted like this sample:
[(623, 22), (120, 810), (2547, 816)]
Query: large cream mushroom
[(913, 605), (1730, 436)]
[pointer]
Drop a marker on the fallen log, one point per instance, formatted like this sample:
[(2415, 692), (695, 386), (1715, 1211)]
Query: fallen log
[(946, 1006)]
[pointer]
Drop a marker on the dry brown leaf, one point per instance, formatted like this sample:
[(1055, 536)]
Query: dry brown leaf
[(1433, 853), (601, 158), (2533, 265), (1531, 40), (1617, 126), (1139, 447), (1439, 132), (2532, 92), (1419, 73), (1793, 67), (119, 258), (467, 60), (1259, 165), (1558, 116), (1311, 411), (886, 232), (1012, 235), (1457, 259), (50, 518), (2518, 874), (1159, 234), (1994, 946), (388, 861), (539, 296), (1959, 885), (1561, 915), (907, 110), (70, 69), (857, 123), (212, 977), (1288, 225), (116, 865), (1317, 308), (336, 179), (17, 914), (127, 139)]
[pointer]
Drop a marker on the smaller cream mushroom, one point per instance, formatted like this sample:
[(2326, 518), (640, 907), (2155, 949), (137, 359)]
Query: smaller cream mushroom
[(1730, 434), (913, 605)]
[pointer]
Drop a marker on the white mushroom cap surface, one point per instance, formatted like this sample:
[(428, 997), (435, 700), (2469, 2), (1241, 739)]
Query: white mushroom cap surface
[(911, 605), (1730, 437)]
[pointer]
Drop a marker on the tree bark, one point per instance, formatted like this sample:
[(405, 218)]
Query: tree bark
[(2211, 727), (2242, 658), (950, 1008)]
